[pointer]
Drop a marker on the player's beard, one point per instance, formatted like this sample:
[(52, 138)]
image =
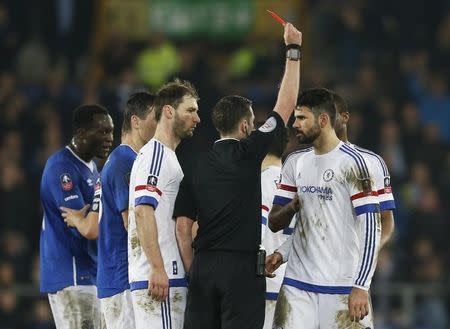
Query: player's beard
[(310, 136), (181, 128)]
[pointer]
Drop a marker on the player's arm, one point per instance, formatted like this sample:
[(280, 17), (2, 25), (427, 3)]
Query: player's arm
[(125, 219), (279, 256), (121, 189), (365, 202), (86, 224), (147, 230), (285, 202), (387, 227), (288, 93), (385, 197), (185, 212), (281, 216), (184, 228)]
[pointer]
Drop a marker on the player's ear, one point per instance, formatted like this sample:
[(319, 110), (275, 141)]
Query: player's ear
[(323, 120), (168, 111), (243, 126), (134, 121), (345, 117)]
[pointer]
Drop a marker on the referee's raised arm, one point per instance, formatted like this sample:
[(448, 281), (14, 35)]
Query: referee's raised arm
[(288, 93)]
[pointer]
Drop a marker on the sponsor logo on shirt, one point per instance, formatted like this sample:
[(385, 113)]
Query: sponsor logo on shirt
[(71, 197), (66, 182), (325, 193)]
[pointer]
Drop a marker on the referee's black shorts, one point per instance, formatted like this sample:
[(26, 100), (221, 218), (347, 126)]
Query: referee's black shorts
[(225, 292)]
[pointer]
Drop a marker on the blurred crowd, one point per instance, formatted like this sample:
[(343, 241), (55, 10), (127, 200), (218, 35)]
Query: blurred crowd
[(390, 63)]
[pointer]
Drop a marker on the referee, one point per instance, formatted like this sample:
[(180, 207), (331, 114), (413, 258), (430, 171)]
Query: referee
[(223, 193)]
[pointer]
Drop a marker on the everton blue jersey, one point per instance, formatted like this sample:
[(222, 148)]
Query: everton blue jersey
[(112, 274), (66, 258)]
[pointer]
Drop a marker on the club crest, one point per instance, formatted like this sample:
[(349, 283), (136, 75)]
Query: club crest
[(66, 182)]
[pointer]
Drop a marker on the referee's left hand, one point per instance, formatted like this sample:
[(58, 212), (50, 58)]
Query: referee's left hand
[(158, 284)]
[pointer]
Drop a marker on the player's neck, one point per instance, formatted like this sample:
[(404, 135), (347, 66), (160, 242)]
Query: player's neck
[(166, 136), (77, 148), (133, 140), (271, 160), (326, 142)]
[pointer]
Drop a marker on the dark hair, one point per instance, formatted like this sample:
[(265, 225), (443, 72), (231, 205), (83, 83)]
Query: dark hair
[(172, 93), (279, 142), (83, 116), (229, 111), (340, 104), (139, 104), (318, 100)]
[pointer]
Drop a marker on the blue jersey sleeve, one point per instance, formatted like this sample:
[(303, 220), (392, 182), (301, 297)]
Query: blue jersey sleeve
[(121, 188), (64, 187)]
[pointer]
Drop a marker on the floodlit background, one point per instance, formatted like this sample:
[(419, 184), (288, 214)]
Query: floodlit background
[(389, 59)]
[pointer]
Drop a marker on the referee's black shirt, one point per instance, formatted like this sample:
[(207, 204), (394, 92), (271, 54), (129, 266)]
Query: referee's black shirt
[(223, 191)]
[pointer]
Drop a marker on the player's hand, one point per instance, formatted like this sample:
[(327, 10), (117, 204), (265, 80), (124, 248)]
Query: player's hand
[(272, 263), (358, 304), (72, 216), (158, 284), (292, 35), (294, 204)]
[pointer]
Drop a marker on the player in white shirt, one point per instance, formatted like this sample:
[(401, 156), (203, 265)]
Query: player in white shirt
[(270, 179), (336, 239), (156, 273)]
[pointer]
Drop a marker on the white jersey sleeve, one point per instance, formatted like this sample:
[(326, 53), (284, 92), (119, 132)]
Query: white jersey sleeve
[(361, 186), (149, 184), (382, 178), (288, 187)]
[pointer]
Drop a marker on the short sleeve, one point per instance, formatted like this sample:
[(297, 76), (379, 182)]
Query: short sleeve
[(121, 189), (287, 188), (151, 177), (64, 186), (361, 185), (384, 189), (257, 144)]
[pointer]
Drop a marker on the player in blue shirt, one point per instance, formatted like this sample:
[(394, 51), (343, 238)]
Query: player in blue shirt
[(67, 259), (138, 127)]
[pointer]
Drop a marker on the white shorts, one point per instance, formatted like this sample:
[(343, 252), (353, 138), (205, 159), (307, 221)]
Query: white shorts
[(308, 310), (156, 315), (270, 311), (117, 311), (76, 307)]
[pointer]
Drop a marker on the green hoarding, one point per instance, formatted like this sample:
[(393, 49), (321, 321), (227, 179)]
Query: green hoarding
[(202, 18)]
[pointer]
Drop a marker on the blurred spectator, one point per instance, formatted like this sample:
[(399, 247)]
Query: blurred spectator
[(15, 199), (41, 316), (391, 149), (157, 62), (8, 39), (10, 314)]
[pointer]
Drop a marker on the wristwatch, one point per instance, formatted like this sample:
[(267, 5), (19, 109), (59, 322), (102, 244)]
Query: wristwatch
[(293, 54)]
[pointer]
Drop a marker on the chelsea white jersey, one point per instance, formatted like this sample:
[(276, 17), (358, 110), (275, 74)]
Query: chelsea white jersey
[(155, 179), (336, 239)]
